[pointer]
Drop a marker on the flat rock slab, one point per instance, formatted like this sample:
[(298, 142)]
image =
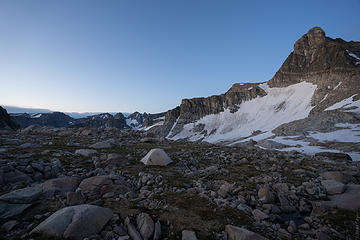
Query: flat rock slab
[(348, 200), (24, 195), (76, 222), (8, 210)]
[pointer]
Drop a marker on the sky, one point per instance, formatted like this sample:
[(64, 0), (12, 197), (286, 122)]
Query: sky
[(126, 56)]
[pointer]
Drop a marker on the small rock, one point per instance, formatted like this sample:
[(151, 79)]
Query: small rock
[(145, 224), (8, 226), (265, 195), (188, 235), (237, 233), (85, 152), (133, 233), (259, 215), (157, 232)]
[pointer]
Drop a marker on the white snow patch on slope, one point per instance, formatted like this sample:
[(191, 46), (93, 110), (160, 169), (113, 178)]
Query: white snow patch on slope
[(337, 85), (256, 138), (351, 54), (300, 145), (133, 123), (37, 115), (172, 128), (156, 124), (279, 106), (347, 104), (305, 148), (324, 98), (350, 134)]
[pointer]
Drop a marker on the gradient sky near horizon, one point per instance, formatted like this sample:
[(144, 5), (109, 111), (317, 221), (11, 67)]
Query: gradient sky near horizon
[(112, 56)]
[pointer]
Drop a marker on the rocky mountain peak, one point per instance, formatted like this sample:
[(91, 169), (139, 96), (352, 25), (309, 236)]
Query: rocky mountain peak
[(320, 60), (313, 39)]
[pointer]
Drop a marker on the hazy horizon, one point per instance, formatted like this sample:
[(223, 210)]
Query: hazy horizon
[(127, 56)]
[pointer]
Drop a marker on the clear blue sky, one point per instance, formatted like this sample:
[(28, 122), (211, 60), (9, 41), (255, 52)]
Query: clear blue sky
[(110, 56)]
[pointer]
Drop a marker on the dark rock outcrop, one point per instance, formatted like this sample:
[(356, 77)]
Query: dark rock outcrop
[(55, 119), (103, 120), (6, 121)]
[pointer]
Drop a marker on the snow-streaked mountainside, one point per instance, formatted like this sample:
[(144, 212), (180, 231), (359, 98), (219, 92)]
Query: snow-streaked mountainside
[(262, 114), (311, 105)]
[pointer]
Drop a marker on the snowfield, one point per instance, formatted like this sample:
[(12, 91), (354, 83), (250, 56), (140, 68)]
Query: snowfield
[(279, 106)]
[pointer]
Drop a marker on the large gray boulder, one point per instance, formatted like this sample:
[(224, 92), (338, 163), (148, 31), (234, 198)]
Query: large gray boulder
[(76, 222), (337, 176), (156, 157), (348, 200), (24, 195), (236, 233), (333, 187), (59, 186)]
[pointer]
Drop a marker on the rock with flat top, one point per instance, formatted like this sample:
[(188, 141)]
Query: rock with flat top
[(85, 152), (76, 222), (188, 235)]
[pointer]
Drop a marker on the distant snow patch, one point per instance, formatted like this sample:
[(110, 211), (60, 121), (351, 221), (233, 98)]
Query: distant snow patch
[(154, 125), (351, 54), (37, 115)]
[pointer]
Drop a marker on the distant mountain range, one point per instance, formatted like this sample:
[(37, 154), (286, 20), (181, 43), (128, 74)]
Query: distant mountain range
[(13, 109), (43, 117)]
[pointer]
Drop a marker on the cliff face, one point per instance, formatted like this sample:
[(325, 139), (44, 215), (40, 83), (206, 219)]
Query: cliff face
[(331, 65), (196, 108)]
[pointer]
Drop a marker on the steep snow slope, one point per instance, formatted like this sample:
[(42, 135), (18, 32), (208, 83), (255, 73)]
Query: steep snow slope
[(280, 105)]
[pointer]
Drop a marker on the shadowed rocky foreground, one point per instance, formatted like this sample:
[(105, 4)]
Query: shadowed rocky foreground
[(83, 183)]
